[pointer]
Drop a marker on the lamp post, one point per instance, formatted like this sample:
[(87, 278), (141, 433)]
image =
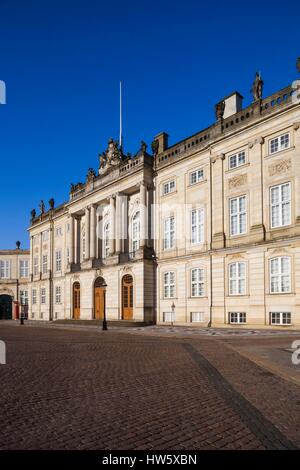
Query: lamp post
[(104, 324), (173, 312)]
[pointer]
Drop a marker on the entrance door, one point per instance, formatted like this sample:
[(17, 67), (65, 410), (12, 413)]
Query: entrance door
[(76, 301), (5, 307), (127, 297), (99, 299)]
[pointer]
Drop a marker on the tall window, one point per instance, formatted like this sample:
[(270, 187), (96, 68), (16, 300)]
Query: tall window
[(196, 176), (279, 143), (280, 275), (197, 282), (237, 278), (197, 226), (169, 233), (43, 295), (4, 269), (135, 231), (33, 294), (238, 215), (68, 255), (36, 266), (58, 231), (280, 196), (169, 187), (280, 318), (45, 235), (24, 297), (45, 264), (83, 244), (169, 285), (237, 317), (106, 231), (58, 260), (237, 160), (24, 268), (58, 294)]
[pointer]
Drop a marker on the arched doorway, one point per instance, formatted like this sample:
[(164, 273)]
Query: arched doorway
[(5, 307), (127, 297), (99, 298), (76, 301)]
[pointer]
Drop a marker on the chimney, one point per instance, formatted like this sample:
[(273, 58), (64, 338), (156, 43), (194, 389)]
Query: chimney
[(233, 104), (162, 140)]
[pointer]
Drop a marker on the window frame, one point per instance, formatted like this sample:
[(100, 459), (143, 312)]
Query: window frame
[(237, 278), (280, 275), (238, 215), (280, 204), (238, 318), (24, 268), (198, 179), (236, 156), (169, 285), (5, 269), (58, 261), (199, 226), (281, 322), (280, 145), (169, 233), (167, 185), (135, 231), (198, 283)]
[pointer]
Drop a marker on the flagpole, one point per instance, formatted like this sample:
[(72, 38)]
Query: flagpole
[(120, 139)]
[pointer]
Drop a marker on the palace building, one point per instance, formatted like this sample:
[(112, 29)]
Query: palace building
[(205, 232)]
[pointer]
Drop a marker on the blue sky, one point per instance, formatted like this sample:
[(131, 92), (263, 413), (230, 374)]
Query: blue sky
[(62, 62)]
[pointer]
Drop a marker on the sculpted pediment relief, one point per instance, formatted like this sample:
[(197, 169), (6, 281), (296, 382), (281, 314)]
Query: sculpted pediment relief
[(237, 181), (280, 167)]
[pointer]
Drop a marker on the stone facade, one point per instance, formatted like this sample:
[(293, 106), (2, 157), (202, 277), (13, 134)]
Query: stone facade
[(217, 240)]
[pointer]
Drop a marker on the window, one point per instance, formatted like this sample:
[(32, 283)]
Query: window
[(280, 318), (169, 285), (24, 268), (169, 317), (238, 215), (169, 233), (106, 235), (279, 143), (237, 317), (35, 240), (280, 275), (5, 269), (197, 282), (43, 295), (68, 227), (83, 244), (34, 297), (58, 231), (24, 297), (169, 187), (58, 260), (280, 205), (35, 266), (45, 236), (45, 264), (237, 160), (68, 255), (58, 294), (136, 231), (196, 176), (197, 317), (197, 226), (237, 278)]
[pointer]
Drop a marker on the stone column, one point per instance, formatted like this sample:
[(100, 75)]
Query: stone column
[(87, 234), (31, 257), (93, 233), (143, 214), (217, 206), (76, 241), (256, 208), (112, 234), (118, 224), (71, 240), (294, 165)]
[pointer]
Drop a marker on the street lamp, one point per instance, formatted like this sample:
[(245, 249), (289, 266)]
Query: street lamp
[(104, 324), (173, 312)]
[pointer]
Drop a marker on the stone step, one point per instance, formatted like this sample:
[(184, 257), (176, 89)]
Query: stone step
[(118, 323)]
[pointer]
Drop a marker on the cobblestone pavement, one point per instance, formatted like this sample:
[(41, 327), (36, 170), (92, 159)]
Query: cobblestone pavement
[(77, 389)]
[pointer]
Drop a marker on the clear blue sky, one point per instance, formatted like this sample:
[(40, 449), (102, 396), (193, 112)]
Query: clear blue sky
[(62, 61)]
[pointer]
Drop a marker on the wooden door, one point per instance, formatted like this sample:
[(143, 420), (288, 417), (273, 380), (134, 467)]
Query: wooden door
[(99, 303), (127, 297), (76, 301)]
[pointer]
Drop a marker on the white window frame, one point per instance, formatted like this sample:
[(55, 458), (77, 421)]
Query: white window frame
[(23, 297), (43, 295), (169, 233), (197, 282), (280, 274), (169, 286), (34, 296), (24, 268), (197, 317), (105, 244), (279, 143), (197, 226), (282, 319), (44, 264), (237, 160), (5, 269), (239, 215), (58, 294), (168, 317), (58, 261), (280, 204), (36, 266), (45, 236), (237, 318), (168, 187), (135, 231), (196, 176), (237, 280), (58, 231)]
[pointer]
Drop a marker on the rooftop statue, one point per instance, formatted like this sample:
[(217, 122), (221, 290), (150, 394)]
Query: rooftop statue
[(111, 157), (42, 207), (298, 64), (257, 87), (220, 108)]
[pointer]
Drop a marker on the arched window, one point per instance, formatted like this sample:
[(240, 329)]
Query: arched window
[(106, 231), (135, 232)]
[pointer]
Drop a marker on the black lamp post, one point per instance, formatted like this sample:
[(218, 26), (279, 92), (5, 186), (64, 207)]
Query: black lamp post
[(104, 324), (173, 313)]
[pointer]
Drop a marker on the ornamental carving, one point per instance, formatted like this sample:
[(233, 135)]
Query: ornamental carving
[(111, 157), (237, 181), (280, 167)]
